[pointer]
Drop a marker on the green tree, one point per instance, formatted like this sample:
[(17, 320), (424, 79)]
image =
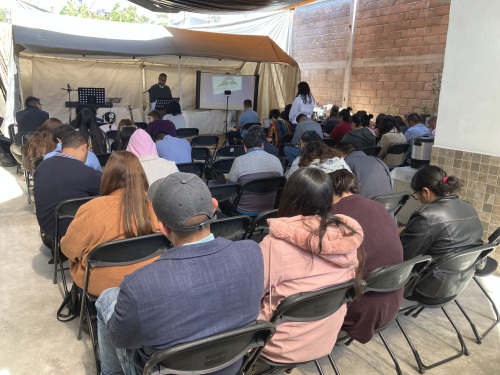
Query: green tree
[(4, 15)]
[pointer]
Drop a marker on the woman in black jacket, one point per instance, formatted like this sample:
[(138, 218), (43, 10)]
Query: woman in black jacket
[(442, 225)]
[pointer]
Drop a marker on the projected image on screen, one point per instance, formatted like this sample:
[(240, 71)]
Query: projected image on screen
[(210, 88)]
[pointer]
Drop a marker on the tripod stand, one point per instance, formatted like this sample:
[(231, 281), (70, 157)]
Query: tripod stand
[(68, 89), (228, 93)]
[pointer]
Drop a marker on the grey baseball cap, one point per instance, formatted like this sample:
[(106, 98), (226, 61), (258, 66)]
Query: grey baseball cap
[(180, 197)]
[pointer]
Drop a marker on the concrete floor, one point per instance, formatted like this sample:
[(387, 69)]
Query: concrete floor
[(33, 341)]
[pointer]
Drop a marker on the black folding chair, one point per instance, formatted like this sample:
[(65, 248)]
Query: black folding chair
[(398, 149), (103, 159), (63, 211), (310, 307), (111, 136), (195, 167), (141, 125), (372, 150), (187, 132), (260, 224), (117, 253), (263, 186), (219, 168), (233, 228), (229, 152), (205, 141), (388, 279), (486, 266), (224, 192), (284, 141), (458, 262), (393, 202), (213, 353)]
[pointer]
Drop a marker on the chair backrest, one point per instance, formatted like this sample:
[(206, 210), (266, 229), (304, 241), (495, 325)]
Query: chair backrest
[(205, 140), (194, 167), (103, 159), (233, 228), (494, 238), (127, 251), (11, 131), (263, 186), (220, 167), (456, 262), (313, 306), (211, 353), (200, 153), (111, 135), (187, 132), (260, 222), (372, 150), (67, 210), (397, 149), (141, 125), (224, 192), (230, 151), (393, 202), (390, 278), (26, 137)]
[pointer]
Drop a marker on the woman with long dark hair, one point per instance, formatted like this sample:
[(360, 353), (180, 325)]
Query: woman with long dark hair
[(307, 249), (443, 224), (173, 113), (86, 124), (42, 142), (390, 134), (303, 103), (122, 211)]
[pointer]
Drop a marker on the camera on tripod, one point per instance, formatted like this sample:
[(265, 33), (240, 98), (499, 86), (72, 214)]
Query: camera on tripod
[(227, 92)]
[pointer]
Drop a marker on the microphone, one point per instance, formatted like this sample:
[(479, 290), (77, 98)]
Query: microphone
[(145, 91)]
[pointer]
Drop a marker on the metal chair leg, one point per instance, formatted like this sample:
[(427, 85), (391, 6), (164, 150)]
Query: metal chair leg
[(497, 315), (318, 366), (471, 323), (421, 367), (332, 362), (394, 359)]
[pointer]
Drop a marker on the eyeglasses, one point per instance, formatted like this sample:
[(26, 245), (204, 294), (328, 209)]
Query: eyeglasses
[(414, 195)]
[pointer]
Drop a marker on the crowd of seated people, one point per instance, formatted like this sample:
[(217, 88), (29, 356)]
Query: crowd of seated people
[(328, 230)]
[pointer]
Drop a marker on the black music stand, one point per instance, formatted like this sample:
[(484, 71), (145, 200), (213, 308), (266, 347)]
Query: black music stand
[(91, 95), (161, 103)]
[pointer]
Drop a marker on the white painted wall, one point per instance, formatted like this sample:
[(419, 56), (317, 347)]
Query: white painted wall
[(469, 104)]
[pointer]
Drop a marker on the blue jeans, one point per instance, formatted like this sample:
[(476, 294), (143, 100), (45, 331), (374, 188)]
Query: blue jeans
[(292, 152), (114, 361)]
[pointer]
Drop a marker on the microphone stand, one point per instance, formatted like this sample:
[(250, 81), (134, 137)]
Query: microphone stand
[(225, 122), (69, 89)]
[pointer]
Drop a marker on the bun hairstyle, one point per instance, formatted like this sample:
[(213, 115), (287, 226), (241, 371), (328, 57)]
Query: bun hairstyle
[(436, 180), (367, 119), (345, 114), (361, 118)]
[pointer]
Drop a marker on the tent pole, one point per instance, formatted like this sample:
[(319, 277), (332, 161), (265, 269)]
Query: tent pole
[(180, 82), (143, 105)]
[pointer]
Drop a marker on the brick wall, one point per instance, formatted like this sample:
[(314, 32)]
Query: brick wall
[(398, 49)]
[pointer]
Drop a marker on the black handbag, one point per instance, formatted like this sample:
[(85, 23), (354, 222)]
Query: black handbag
[(71, 305)]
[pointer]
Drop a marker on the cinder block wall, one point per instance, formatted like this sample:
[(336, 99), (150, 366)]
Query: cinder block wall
[(398, 48)]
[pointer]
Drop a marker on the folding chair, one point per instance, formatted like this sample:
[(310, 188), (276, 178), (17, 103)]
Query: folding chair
[(310, 307), (64, 210), (213, 353), (486, 266), (388, 279), (229, 152), (393, 202), (117, 253), (205, 141), (398, 149), (141, 125), (111, 135), (232, 228), (195, 167), (201, 154), (219, 168), (103, 159), (225, 192), (187, 132), (458, 262), (372, 150), (263, 186), (260, 224), (284, 141)]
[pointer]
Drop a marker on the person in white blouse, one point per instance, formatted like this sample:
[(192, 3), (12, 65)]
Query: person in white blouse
[(303, 103), (174, 114)]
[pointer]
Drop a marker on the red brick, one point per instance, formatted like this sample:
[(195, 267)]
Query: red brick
[(431, 39), (389, 85), (392, 70), (419, 69), (384, 77), (425, 77), (375, 100), (415, 42), (393, 52), (382, 93), (410, 77), (371, 93), (442, 11), (436, 49), (380, 53), (394, 93), (423, 95), (435, 21), (372, 77), (404, 69)]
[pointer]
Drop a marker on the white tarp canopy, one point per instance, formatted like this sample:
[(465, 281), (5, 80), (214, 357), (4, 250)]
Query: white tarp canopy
[(125, 59)]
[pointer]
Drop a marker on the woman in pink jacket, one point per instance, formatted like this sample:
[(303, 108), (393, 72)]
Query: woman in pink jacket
[(307, 249)]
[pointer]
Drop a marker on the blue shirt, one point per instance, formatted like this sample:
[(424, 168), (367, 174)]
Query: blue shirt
[(175, 149), (248, 117), (418, 130), (91, 161)]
